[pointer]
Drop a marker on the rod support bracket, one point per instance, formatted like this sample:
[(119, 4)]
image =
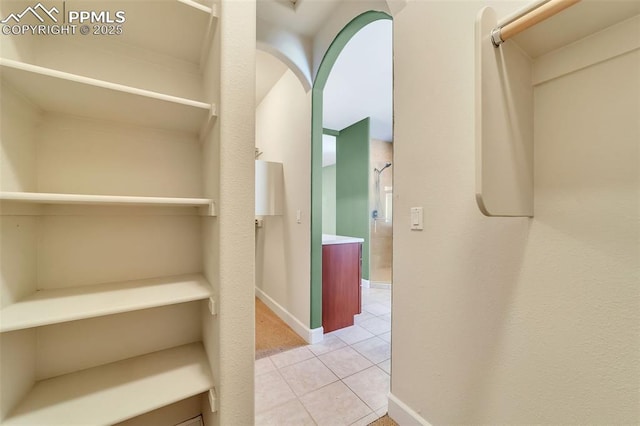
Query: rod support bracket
[(496, 37)]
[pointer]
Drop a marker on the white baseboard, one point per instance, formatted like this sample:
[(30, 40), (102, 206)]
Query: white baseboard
[(403, 415), (311, 336), (365, 283), (316, 335)]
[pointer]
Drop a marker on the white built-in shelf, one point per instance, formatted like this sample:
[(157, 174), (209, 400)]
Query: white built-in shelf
[(194, 20), (67, 93), (118, 391), (46, 307), (106, 200)]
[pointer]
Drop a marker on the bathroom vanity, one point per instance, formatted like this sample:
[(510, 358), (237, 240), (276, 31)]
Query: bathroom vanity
[(341, 276)]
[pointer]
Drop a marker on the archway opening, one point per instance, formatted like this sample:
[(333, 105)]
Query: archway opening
[(320, 83)]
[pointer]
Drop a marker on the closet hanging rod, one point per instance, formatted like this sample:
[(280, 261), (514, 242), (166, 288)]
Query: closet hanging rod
[(537, 14)]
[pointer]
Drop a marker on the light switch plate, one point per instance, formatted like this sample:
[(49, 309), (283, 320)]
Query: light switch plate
[(416, 218)]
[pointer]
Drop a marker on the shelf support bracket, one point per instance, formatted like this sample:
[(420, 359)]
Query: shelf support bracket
[(212, 306), (213, 400), (207, 125), (208, 210)]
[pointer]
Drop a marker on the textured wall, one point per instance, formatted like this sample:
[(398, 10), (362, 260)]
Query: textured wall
[(283, 120), (234, 224), (513, 320)]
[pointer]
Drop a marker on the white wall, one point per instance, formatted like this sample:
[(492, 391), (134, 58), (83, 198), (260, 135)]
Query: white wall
[(513, 320), (283, 120)]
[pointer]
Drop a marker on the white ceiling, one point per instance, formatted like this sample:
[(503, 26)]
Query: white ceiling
[(361, 82), (305, 18)]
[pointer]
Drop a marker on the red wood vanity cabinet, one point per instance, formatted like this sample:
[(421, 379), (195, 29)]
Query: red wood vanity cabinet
[(341, 276)]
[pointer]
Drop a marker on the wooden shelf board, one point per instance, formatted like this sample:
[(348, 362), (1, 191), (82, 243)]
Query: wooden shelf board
[(113, 200), (72, 94), (194, 20), (69, 304), (196, 5), (118, 391)]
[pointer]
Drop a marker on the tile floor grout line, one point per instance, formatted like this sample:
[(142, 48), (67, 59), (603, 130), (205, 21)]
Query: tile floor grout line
[(382, 342)]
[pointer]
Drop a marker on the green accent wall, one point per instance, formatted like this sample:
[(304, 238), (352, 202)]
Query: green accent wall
[(329, 199), (352, 186), (319, 83)]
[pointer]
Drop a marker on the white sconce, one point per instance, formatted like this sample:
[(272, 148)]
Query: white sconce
[(269, 188)]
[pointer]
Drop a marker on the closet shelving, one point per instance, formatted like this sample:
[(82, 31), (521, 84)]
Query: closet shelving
[(46, 307), (37, 303), (117, 391), (53, 90), (584, 34), (114, 200)]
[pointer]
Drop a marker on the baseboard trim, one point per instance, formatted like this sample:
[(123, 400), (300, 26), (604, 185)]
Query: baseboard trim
[(403, 415), (365, 283), (311, 336), (316, 335)]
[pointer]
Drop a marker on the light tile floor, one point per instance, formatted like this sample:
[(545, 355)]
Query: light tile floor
[(344, 380)]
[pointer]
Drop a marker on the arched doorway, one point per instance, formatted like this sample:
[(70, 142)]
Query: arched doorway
[(320, 82)]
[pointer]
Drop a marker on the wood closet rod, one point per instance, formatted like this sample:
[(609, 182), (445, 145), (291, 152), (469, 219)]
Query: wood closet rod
[(532, 17)]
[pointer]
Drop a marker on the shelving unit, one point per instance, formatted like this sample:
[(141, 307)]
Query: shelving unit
[(118, 391), (46, 307), (114, 200), (587, 33), (109, 181), (66, 93)]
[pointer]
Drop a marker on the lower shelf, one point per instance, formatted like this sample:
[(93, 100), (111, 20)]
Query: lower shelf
[(118, 391)]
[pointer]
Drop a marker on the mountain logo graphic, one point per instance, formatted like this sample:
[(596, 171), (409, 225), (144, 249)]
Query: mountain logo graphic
[(34, 11)]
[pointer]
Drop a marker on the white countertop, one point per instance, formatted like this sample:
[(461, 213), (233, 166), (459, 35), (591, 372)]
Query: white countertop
[(339, 239)]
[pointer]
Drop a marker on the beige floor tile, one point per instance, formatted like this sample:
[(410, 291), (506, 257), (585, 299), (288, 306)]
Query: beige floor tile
[(353, 334), (328, 344), (375, 349), (291, 413), (292, 356), (307, 376), (380, 294), (345, 362), (377, 308), (271, 390), (357, 319), (376, 325), (264, 365), (385, 366), (371, 385), (335, 405)]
